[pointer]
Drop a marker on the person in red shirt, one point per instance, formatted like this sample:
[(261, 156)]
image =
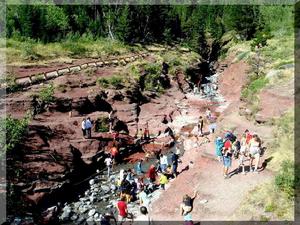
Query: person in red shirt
[(114, 153), (248, 136), (123, 214), (152, 173)]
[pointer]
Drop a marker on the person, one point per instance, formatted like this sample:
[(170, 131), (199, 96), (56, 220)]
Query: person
[(129, 176), (108, 161), (174, 159), (163, 180), (144, 217), (88, 127), (208, 113), (200, 126), (165, 68), (140, 184), (123, 213), (115, 135), (212, 125), (248, 136), (243, 154), (254, 152), (186, 206), (144, 200), (165, 120), (106, 218), (114, 153), (227, 157), (146, 132), (111, 119), (163, 159), (139, 170), (218, 148), (126, 189), (83, 127), (152, 174)]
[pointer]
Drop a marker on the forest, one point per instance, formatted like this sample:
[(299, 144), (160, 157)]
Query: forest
[(190, 25)]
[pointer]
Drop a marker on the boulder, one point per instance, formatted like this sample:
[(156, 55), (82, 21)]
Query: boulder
[(92, 212)]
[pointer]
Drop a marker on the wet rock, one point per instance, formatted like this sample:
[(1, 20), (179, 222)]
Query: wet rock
[(92, 212), (92, 182), (96, 216), (65, 215), (74, 217), (105, 188), (80, 220), (90, 221)]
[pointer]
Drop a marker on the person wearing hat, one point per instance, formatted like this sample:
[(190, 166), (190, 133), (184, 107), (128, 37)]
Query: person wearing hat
[(218, 148)]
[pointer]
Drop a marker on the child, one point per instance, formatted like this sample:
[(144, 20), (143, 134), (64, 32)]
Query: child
[(163, 180)]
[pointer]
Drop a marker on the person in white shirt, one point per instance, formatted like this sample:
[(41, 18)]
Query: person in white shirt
[(108, 162), (88, 127), (83, 128), (163, 162)]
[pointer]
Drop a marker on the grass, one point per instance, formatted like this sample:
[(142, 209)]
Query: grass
[(254, 86), (267, 202), (116, 81), (27, 51)]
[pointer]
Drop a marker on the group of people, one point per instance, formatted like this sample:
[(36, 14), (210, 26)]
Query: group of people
[(248, 148), (86, 126), (137, 184)]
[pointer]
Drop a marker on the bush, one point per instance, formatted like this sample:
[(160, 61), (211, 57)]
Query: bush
[(102, 124), (76, 49), (287, 180), (46, 94), (152, 77), (114, 82), (15, 129), (12, 85)]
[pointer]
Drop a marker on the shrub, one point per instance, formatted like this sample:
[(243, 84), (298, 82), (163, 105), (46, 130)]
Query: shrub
[(76, 49), (15, 129), (46, 94), (114, 82), (102, 124), (12, 85), (287, 180)]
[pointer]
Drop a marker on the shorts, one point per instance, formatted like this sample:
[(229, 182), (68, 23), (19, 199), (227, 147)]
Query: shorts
[(227, 161)]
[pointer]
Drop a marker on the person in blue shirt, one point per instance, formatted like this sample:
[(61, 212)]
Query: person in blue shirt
[(219, 146)]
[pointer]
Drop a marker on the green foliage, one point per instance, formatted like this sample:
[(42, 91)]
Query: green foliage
[(152, 77), (102, 124), (12, 85), (14, 129), (260, 40), (46, 94), (255, 85), (115, 81), (287, 180)]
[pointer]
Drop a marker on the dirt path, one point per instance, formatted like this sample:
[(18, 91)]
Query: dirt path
[(205, 175)]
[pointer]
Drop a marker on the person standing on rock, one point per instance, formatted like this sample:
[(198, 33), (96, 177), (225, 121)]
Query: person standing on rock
[(200, 126), (174, 159), (163, 159), (254, 152), (114, 153), (227, 157), (83, 127), (218, 148), (123, 213), (108, 161), (88, 127), (186, 207), (139, 169), (152, 174), (208, 113)]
